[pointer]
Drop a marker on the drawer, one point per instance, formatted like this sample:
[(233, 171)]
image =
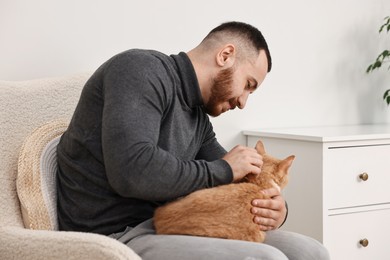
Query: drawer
[(344, 232), (342, 168)]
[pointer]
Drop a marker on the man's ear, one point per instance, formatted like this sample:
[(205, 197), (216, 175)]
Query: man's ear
[(226, 56)]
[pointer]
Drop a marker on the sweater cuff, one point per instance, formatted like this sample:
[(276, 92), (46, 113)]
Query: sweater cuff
[(285, 202), (221, 173)]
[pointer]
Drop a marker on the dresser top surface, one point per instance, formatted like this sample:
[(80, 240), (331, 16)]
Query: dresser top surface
[(326, 133)]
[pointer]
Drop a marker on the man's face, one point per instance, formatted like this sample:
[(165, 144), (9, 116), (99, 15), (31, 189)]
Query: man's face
[(232, 86)]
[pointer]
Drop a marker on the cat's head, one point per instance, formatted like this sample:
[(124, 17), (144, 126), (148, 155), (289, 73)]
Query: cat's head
[(273, 169)]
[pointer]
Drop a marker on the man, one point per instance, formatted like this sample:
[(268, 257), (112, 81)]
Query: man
[(140, 136)]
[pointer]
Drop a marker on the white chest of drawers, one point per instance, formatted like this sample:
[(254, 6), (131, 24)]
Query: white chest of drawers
[(339, 188)]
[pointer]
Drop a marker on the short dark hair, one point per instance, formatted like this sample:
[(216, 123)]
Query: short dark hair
[(246, 32)]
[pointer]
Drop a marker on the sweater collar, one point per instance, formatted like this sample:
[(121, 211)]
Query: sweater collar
[(190, 84)]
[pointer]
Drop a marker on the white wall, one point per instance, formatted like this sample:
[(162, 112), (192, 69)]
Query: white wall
[(320, 50)]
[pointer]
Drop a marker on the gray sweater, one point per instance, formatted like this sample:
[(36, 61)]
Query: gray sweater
[(139, 137)]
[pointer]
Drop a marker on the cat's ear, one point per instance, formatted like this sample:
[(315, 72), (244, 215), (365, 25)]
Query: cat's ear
[(260, 147), (286, 163)]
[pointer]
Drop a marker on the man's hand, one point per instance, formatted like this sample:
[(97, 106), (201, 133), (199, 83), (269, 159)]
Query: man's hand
[(269, 213), (243, 160)]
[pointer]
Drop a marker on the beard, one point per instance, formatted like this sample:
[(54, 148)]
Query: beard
[(221, 90)]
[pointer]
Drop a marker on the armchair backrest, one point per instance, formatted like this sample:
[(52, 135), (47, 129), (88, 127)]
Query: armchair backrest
[(24, 106)]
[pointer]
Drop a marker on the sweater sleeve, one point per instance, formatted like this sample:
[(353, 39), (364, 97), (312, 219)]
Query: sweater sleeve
[(211, 149), (134, 104)]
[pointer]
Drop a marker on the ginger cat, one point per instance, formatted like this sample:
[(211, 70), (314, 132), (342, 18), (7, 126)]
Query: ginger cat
[(223, 211)]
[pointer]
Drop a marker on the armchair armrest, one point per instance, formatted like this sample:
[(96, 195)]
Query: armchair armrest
[(20, 243)]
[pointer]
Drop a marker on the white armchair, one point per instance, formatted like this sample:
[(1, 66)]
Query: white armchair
[(25, 106)]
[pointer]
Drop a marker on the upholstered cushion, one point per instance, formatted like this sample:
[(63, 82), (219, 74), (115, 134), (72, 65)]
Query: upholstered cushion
[(36, 177)]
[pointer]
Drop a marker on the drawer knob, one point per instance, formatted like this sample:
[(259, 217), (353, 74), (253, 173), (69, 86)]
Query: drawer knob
[(364, 242), (363, 176)]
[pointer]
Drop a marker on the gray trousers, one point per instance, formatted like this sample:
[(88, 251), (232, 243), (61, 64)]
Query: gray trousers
[(279, 245)]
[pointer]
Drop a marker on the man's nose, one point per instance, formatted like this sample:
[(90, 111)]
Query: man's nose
[(241, 102)]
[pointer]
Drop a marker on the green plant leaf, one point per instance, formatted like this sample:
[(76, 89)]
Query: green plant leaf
[(385, 53), (385, 25), (387, 94), (370, 68), (377, 64), (384, 57)]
